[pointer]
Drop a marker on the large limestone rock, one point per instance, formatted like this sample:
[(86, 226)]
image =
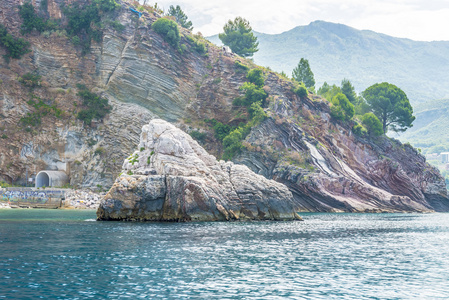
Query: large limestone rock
[(172, 178)]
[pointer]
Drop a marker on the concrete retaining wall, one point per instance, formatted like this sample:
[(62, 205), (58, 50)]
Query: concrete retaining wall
[(31, 197)]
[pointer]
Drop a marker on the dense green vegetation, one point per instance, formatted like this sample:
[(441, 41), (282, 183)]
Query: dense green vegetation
[(253, 101), (301, 90), (391, 106), (32, 21), (95, 107), (199, 136), (372, 124), (15, 47), (84, 21), (168, 29), (239, 36), (341, 108), (180, 16), (303, 73), (253, 89), (349, 91), (198, 43)]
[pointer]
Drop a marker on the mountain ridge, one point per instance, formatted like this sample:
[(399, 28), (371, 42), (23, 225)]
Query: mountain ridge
[(337, 51)]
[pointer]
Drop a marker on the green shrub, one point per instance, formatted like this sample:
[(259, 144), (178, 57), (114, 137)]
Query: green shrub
[(253, 93), (341, 108), (15, 48), (30, 80), (106, 5), (232, 143), (30, 20), (84, 20), (256, 76), (257, 113), (359, 130), (119, 27), (76, 40), (301, 91), (221, 130), (4, 136), (372, 124), (199, 136), (241, 67), (200, 47), (168, 29), (41, 109), (96, 107)]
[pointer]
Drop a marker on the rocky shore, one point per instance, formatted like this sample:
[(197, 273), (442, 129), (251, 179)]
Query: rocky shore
[(172, 178), (82, 199)]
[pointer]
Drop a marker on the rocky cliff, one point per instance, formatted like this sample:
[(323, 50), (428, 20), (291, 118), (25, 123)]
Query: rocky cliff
[(172, 178), (325, 166)]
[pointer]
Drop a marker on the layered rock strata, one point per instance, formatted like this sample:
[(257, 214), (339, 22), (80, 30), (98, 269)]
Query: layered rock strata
[(172, 178)]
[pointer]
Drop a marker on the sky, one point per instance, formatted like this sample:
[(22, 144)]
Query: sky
[(420, 20)]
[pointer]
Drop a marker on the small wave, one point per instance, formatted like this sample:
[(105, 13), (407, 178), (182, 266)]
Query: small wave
[(90, 220)]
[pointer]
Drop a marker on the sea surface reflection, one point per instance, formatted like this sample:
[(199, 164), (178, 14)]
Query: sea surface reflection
[(54, 254)]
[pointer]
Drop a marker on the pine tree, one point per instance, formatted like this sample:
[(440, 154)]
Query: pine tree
[(180, 16), (303, 73), (390, 105), (238, 35)]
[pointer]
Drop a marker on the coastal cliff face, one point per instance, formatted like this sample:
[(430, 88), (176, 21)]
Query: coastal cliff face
[(324, 165), (172, 178)]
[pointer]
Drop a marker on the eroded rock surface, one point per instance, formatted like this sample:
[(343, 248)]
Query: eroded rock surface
[(172, 178)]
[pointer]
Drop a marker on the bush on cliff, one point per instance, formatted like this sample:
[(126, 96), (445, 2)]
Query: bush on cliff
[(96, 107), (256, 76), (341, 108), (30, 20), (168, 29), (84, 20), (359, 130), (301, 90), (15, 47), (372, 124)]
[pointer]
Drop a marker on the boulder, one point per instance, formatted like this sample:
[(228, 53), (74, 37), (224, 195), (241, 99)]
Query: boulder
[(172, 178)]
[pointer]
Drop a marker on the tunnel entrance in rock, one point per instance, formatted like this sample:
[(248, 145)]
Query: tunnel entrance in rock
[(42, 179)]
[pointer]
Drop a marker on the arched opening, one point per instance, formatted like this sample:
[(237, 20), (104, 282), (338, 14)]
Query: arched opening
[(42, 179), (51, 179)]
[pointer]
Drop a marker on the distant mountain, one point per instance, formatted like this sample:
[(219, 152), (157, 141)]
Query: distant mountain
[(337, 51), (430, 129)]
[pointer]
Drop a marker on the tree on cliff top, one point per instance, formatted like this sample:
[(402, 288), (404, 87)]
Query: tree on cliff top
[(348, 89), (180, 16), (390, 105), (238, 35), (303, 73)]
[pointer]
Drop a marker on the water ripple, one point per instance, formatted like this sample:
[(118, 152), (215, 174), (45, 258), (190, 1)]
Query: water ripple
[(57, 255)]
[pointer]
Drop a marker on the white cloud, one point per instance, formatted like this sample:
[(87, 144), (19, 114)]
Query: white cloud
[(414, 19)]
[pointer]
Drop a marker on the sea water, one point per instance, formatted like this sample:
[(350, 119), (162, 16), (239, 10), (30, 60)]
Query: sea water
[(61, 254)]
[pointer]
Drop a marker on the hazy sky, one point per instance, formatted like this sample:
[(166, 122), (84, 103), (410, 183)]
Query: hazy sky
[(423, 20)]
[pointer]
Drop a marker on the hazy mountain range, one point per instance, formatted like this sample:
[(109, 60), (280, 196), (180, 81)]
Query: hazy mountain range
[(337, 51)]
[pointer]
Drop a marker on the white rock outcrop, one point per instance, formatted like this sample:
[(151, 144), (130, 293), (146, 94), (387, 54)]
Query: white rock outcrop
[(172, 178)]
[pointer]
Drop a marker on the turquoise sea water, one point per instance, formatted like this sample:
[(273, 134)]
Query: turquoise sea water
[(57, 254)]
